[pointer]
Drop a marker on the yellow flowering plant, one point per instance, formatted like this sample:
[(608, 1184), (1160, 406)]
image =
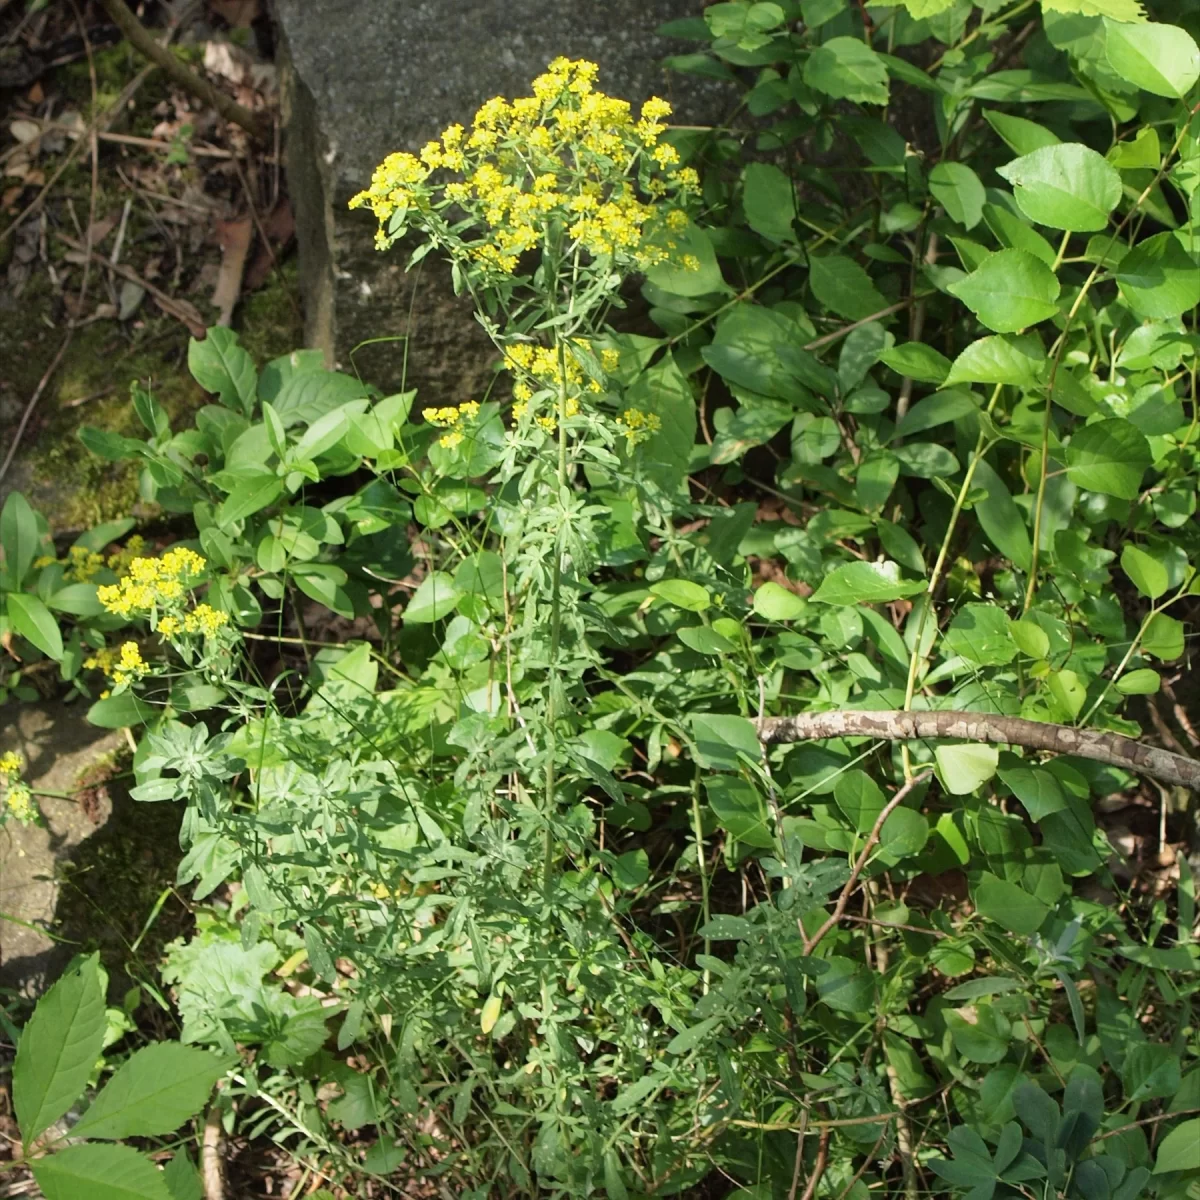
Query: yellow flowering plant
[(16, 798)]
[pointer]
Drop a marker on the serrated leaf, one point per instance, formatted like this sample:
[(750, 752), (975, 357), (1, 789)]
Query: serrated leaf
[(847, 69), (844, 287), (1117, 10), (58, 1049), (1158, 278), (153, 1092), (99, 1172), (1017, 361)]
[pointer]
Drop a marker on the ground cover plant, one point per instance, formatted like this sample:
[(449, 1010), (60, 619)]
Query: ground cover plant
[(671, 813)]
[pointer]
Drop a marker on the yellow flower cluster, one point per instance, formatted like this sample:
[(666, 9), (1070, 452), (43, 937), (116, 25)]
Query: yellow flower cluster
[(122, 666), (567, 157), (453, 418), (120, 561), (82, 565), (152, 582), (204, 619), (638, 426), (18, 799)]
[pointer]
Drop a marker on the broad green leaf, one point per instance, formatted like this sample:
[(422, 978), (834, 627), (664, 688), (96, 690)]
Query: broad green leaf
[(305, 396), (980, 1037), (904, 834), (865, 583), (1021, 136), (694, 246), (250, 497), (1145, 571), (1009, 291), (846, 986), (689, 1039), (1143, 151), (720, 738), (1142, 682), (844, 287), (631, 869), (739, 809), (183, 1180), (58, 1049), (1066, 186), (1019, 361), (1180, 1149), (682, 593), (153, 1092), (1030, 638), (774, 602), (18, 539), (434, 599), (936, 410), (877, 475), (962, 769), (1117, 10), (664, 391), (859, 798), (1013, 232), (35, 622), (769, 201), (219, 364), (1163, 637), (99, 1173), (1158, 278), (705, 640), (753, 424), (1002, 520), (1036, 788), (1162, 59), (958, 190), (1009, 906), (121, 712), (915, 360), (1109, 457), (847, 69), (981, 634)]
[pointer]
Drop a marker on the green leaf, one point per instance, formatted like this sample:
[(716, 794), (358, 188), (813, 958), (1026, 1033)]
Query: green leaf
[(981, 1038), (1030, 638), (689, 1039), (1142, 682), (962, 769), (19, 540), (183, 1180), (218, 364), (434, 599), (153, 1092), (1037, 789), (753, 424), (1158, 278), (672, 276), (1065, 186), (58, 1049), (846, 986), (664, 391), (1180, 1149), (769, 201), (981, 634), (859, 798), (1145, 571), (958, 190), (720, 738), (1109, 457), (1002, 520), (682, 593), (1017, 361), (935, 410), (1009, 906), (120, 712), (1118, 10), (1009, 291), (847, 69), (306, 395), (866, 583), (739, 810), (34, 622), (843, 286), (1021, 136), (915, 360), (250, 497), (1163, 637), (631, 869), (99, 1173), (704, 640), (1162, 59), (773, 602)]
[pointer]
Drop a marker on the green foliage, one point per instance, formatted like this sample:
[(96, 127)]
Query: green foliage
[(156, 1090), (912, 429)]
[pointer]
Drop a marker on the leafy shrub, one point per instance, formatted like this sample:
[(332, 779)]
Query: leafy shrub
[(570, 908)]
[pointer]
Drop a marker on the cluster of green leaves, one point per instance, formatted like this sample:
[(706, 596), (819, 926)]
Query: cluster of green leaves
[(157, 1089), (926, 437)]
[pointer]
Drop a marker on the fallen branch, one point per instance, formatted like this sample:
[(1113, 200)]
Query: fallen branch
[(143, 41), (895, 726)]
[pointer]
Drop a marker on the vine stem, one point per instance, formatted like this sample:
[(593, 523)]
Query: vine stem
[(935, 578), (698, 829)]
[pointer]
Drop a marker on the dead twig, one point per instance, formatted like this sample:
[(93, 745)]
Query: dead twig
[(895, 726), (181, 310), (144, 42)]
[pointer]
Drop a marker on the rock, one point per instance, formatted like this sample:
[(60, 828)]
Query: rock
[(363, 78), (57, 745)]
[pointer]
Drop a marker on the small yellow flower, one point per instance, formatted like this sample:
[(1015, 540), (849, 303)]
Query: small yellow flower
[(610, 359), (204, 619), (11, 763), (169, 626), (45, 560), (638, 426), (19, 803)]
